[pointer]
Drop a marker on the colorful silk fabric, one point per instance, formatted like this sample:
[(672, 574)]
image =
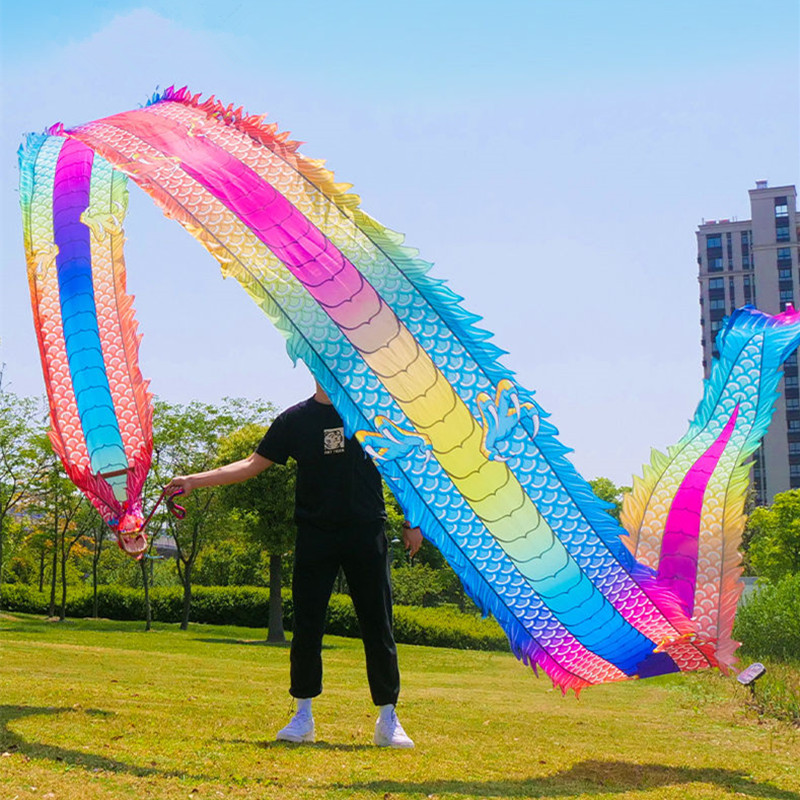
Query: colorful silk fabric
[(468, 453)]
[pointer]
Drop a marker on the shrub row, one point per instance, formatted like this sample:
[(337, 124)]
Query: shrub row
[(768, 624), (218, 605), (248, 606)]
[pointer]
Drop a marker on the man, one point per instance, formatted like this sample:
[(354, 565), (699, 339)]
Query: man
[(340, 518)]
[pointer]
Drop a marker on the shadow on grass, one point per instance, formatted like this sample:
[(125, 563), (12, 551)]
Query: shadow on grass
[(13, 743), (586, 778), (257, 642), (271, 744)]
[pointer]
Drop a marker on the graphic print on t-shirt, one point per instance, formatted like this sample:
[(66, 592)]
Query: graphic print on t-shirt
[(333, 440)]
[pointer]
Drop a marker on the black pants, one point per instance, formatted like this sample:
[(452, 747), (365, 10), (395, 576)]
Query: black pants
[(361, 551)]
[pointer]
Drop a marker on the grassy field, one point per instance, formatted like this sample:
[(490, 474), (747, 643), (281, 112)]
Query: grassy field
[(97, 709)]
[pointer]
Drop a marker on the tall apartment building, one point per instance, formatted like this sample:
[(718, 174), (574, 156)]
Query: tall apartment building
[(756, 261)]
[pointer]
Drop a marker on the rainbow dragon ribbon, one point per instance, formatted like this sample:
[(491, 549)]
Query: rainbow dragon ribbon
[(470, 455)]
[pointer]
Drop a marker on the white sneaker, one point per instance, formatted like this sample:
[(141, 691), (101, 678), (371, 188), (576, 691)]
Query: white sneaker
[(299, 729), (389, 732)]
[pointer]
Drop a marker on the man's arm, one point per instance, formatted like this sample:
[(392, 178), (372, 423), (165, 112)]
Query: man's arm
[(236, 472)]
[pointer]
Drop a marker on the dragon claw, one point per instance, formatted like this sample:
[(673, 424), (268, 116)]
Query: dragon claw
[(501, 417)]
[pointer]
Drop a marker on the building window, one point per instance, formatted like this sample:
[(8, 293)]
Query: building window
[(793, 403), (747, 262), (782, 233), (791, 381), (749, 289), (794, 470), (784, 256), (716, 265), (794, 448), (785, 274), (793, 424), (786, 296), (716, 304), (716, 324), (716, 283), (745, 239), (714, 241), (781, 207)]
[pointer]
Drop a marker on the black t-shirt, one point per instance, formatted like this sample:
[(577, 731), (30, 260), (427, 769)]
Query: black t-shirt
[(336, 481)]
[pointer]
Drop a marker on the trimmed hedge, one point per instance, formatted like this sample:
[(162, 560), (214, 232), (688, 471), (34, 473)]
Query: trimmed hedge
[(248, 606), (218, 605), (447, 627)]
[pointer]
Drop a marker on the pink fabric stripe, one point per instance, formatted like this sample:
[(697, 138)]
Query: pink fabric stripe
[(677, 567), (329, 277)]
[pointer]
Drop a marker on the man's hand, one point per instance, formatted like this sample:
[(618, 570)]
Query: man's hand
[(412, 539), (184, 483)]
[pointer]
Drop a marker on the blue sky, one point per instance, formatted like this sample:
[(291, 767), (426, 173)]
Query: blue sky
[(552, 158)]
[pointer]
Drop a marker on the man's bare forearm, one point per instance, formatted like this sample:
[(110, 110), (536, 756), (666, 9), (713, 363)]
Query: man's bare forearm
[(235, 472)]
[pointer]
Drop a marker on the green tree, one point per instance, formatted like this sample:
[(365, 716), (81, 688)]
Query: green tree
[(54, 507), (20, 424), (267, 501), (20, 558), (238, 560), (98, 534), (61, 503), (426, 579), (75, 533), (607, 490), (186, 439), (774, 549)]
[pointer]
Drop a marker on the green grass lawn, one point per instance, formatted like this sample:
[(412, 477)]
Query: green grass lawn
[(98, 709)]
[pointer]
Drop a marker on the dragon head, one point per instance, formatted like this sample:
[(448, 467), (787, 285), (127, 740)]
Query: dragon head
[(130, 536)]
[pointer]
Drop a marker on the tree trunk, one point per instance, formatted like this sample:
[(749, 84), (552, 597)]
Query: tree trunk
[(2, 535), (275, 633), (95, 563), (41, 570), (51, 611), (62, 615), (187, 595), (146, 583)]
